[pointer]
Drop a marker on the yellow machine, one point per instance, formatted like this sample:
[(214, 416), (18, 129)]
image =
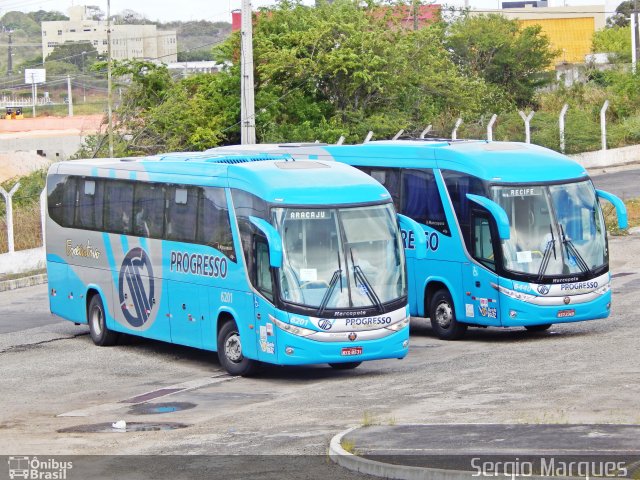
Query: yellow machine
[(14, 113)]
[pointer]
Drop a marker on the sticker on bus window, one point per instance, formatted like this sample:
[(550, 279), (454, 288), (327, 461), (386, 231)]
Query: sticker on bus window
[(523, 257), (308, 274), (521, 192)]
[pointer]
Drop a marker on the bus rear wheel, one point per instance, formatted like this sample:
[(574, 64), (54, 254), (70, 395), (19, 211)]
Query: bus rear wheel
[(100, 334), (230, 352), (443, 317), (345, 366), (538, 328)]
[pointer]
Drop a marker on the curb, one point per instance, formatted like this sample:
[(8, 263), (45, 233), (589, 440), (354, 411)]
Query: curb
[(386, 470), (23, 282)]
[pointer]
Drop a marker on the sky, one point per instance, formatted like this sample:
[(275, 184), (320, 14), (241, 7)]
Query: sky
[(220, 10)]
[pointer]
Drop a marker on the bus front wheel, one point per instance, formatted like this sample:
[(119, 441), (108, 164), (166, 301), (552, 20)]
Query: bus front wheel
[(443, 317), (100, 334), (230, 352)]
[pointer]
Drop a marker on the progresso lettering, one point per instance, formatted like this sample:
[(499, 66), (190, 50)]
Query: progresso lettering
[(197, 264)]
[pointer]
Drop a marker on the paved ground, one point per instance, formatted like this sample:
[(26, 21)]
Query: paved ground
[(574, 373), (623, 182)]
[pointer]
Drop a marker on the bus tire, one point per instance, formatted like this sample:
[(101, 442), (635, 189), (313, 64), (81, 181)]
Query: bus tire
[(345, 365), (443, 317), (100, 334), (230, 352), (538, 328)]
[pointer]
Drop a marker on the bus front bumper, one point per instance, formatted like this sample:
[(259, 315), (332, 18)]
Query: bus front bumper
[(515, 313), (296, 350)]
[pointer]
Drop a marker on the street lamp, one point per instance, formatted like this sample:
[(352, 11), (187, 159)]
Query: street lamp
[(84, 87)]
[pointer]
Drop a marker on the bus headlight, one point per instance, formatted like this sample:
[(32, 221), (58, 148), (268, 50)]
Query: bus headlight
[(292, 329), (603, 289), (399, 326)]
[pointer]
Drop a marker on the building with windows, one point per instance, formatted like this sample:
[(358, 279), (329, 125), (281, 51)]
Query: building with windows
[(127, 41)]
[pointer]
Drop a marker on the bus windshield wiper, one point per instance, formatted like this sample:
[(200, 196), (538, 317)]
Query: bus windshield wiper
[(337, 275), (571, 249), (364, 282), (551, 246)]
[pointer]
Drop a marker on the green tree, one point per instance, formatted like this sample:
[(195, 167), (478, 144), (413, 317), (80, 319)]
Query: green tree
[(498, 50), (615, 40), (47, 16), (80, 54), (621, 17)]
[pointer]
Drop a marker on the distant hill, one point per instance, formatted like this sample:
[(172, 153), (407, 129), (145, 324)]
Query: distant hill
[(196, 38)]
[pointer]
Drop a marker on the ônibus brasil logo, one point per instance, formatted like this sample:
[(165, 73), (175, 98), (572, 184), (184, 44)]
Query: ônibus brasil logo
[(136, 287)]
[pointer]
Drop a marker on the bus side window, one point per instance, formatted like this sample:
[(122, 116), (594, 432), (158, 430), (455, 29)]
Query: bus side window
[(421, 200), (214, 227), (264, 281), (390, 178), (118, 206), (182, 214), (61, 200), (483, 240), (90, 204), (148, 210)]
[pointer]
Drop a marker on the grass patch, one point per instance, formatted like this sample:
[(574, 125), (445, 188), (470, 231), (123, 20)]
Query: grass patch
[(26, 226), (368, 419), (348, 446), (611, 219), (30, 273)]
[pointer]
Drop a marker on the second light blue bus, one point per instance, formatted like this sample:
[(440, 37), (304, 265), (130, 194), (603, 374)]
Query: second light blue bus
[(514, 233), (260, 258)]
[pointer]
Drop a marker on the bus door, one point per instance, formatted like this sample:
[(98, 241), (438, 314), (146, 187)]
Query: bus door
[(263, 306), (189, 305), (481, 298)]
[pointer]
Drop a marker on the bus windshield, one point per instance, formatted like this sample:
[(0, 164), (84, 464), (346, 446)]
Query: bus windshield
[(340, 257), (555, 229)]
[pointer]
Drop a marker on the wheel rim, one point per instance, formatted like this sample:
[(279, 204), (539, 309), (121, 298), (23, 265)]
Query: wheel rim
[(96, 320), (233, 348), (444, 315)]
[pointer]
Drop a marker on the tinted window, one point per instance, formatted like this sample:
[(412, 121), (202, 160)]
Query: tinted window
[(118, 208), (89, 206), (390, 178), (182, 213), (214, 228), (458, 185), (148, 210), (61, 199), (421, 199), (246, 205), (482, 241), (264, 281)]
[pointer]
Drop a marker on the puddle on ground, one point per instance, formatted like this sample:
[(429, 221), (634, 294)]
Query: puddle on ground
[(131, 427), (156, 408)]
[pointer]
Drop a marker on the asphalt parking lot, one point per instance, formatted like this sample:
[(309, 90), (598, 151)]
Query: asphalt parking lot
[(57, 388)]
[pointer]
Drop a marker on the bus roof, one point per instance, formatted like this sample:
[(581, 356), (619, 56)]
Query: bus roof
[(493, 161), (274, 178)]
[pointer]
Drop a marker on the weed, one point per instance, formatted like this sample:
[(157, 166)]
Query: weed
[(348, 446)]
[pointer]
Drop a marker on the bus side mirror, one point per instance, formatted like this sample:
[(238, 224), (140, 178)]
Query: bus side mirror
[(498, 213), (413, 236), (274, 239), (621, 209)]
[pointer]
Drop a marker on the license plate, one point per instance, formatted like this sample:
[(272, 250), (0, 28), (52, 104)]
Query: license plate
[(348, 351), (566, 313)]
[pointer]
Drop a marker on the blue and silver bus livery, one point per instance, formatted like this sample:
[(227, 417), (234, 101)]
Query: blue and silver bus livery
[(260, 258), (515, 235)]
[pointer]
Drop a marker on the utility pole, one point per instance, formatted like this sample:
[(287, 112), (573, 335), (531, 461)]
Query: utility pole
[(415, 14), (247, 104), (84, 85), (109, 93), (69, 96), (34, 94), (635, 28), (9, 57)]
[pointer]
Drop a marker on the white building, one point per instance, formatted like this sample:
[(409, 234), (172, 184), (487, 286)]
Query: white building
[(127, 41)]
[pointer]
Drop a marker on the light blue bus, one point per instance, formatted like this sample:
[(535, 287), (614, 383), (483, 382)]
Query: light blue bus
[(514, 233), (260, 258)]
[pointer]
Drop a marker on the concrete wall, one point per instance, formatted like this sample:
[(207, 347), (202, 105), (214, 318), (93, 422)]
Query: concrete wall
[(608, 158), (54, 147)]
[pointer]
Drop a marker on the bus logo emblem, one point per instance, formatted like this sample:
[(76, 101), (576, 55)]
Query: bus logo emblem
[(543, 289), (325, 324), (136, 286)]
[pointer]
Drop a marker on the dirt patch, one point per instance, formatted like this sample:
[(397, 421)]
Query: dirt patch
[(80, 123)]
